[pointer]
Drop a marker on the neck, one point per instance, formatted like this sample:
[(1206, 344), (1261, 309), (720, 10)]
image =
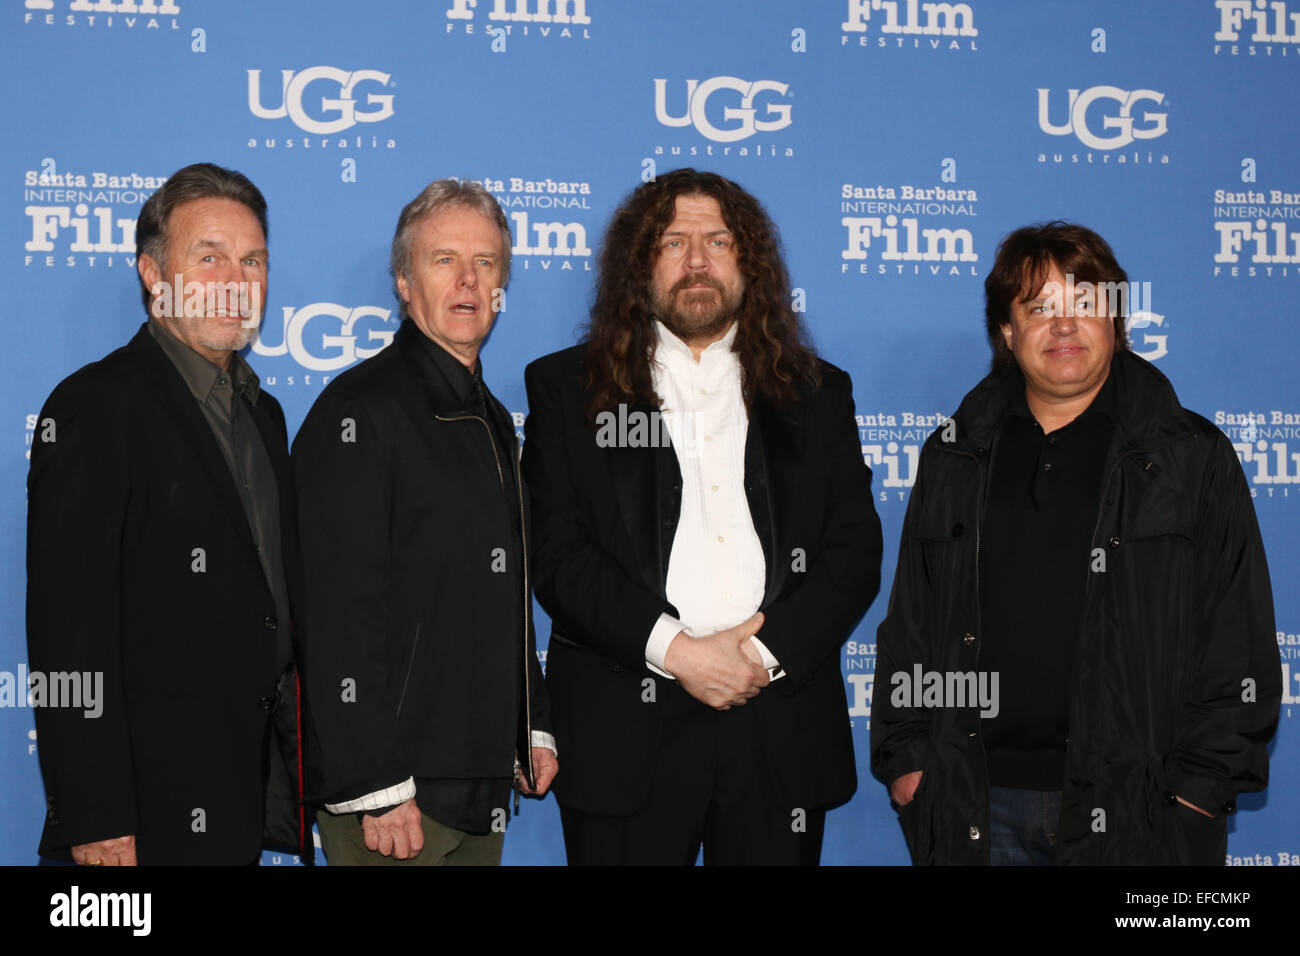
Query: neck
[(1052, 412)]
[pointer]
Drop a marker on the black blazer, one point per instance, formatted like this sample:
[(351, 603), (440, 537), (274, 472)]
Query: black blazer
[(604, 521), (141, 567), (418, 641)]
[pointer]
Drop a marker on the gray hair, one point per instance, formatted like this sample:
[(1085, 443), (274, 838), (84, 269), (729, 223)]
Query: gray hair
[(438, 196)]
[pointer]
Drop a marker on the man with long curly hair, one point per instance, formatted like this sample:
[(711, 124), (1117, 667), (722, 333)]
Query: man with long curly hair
[(703, 538)]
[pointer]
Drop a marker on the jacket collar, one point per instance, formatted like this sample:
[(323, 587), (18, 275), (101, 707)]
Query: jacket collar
[(447, 382), (1146, 408)]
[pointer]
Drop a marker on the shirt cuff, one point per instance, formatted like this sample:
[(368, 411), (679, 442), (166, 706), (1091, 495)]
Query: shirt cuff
[(774, 669), (661, 635), (541, 738), (388, 797)]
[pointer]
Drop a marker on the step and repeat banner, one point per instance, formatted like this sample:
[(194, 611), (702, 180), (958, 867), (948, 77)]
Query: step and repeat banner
[(894, 142)]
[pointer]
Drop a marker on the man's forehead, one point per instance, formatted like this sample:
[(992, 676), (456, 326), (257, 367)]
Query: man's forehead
[(207, 219), (459, 226), (1035, 278), (693, 209)]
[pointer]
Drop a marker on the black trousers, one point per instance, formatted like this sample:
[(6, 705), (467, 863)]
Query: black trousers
[(708, 790)]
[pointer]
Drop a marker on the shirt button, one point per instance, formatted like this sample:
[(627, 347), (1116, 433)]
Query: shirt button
[(715, 487), (1047, 466), (974, 833), (708, 438), (968, 639), (704, 391), (1051, 439), (726, 595), (720, 539), (271, 623)]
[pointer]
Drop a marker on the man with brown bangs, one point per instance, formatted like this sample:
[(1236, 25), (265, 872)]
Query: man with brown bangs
[(1082, 543), (704, 538)]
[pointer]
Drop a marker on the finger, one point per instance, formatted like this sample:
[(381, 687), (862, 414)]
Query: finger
[(752, 626), (401, 846), (371, 837), (415, 838), (385, 843), (127, 855)]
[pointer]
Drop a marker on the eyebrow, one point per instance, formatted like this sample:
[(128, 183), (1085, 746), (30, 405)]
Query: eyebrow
[(456, 252), (214, 244), (682, 232)]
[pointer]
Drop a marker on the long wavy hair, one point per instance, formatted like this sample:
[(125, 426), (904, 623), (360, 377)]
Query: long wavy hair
[(776, 359)]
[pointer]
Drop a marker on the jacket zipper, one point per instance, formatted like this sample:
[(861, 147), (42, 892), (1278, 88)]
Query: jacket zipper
[(523, 540), (409, 664)]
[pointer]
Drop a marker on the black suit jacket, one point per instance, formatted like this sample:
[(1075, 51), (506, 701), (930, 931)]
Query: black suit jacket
[(141, 567), (418, 640), (604, 521)]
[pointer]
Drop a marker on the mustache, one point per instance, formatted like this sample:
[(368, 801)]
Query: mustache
[(697, 278)]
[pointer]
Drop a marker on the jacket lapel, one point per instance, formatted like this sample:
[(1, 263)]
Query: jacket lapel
[(177, 401), (648, 488), (773, 456)]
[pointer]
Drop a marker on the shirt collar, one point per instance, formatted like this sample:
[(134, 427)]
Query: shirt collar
[(200, 375), (669, 345), (462, 380)]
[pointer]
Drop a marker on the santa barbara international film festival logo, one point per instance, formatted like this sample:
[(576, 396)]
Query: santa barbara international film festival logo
[(83, 218), (727, 113), (900, 229), (109, 14), (1288, 647), (1256, 28), (908, 25), (1262, 440), (326, 102), (1253, 231), (1106, 120), (508, 19), (549, 220)]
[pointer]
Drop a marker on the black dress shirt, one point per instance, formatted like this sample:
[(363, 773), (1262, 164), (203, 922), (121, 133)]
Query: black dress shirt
[(1042, 505), (221, 395)]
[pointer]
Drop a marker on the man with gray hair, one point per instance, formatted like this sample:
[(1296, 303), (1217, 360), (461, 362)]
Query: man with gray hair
[(423, 682), (161, 560)]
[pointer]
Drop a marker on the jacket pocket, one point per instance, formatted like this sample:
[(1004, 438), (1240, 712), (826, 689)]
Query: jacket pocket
[(916, 819)]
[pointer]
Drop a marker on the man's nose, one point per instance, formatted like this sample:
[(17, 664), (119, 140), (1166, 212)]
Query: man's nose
[(697, 256)]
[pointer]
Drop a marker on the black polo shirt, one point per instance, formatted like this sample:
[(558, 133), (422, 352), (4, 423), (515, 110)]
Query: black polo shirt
[(1041, 511)]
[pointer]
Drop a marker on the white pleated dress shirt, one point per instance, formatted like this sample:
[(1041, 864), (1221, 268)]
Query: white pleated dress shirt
[(716, 570)]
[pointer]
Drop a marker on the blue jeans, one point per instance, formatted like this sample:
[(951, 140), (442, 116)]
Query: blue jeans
[(1023, 825)]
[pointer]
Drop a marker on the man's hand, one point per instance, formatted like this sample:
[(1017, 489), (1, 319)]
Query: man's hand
[(119, 851), (1203, 813), (903, 789), (397, 833), (714, 669), (545, 767)]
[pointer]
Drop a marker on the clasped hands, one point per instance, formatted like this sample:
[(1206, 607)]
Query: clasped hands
[(723, 670)]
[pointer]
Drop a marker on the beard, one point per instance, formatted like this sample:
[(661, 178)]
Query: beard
[(697, 313)]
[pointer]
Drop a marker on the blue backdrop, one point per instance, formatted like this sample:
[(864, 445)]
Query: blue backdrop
[(893, 141)]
